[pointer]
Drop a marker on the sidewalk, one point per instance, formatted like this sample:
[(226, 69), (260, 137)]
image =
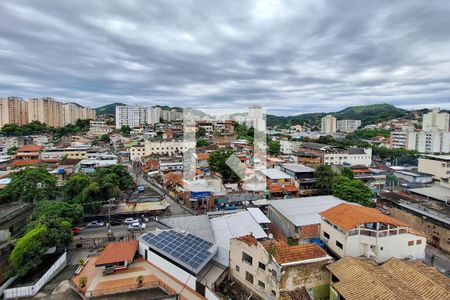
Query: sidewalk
[(441, 260)]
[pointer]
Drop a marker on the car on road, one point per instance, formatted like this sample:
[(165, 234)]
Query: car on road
[(129, 221), (137, 226), (95, 224), (76, 230)]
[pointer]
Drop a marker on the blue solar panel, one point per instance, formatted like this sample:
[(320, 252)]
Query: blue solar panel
[(187, 248)]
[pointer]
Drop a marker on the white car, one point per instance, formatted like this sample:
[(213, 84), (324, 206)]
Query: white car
[(129, 221), (95, 224), (137, 226)]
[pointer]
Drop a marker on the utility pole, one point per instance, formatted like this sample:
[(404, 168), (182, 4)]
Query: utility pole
[(109, 216)]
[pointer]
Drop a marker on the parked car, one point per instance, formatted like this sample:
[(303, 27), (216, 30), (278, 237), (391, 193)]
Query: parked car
[(129, 221), (95, 224), (76, 230), (116, 222), (137, 226)]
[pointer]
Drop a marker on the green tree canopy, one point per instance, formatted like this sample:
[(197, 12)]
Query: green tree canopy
[(324, 178), (273, 147), (347, 172), (217, 163), (51, 210), (30, 185), (352, 190), (203, 143), (28, 251), (105, 138), (125, 129)]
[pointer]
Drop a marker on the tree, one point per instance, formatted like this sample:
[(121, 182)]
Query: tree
[(324, 178), (200, 133), (273, 147), (76, 184), (48, 210), (28, 251), (30, 185), (12, 150), (347, 172), (105, 138), (352, 190), (217, 163), (125, 129), (202, 143)]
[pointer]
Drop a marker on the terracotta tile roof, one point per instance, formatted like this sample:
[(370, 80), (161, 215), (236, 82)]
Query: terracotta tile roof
[(276, 188), (173, 178), (150, 165), (25, 162), (288, 254), (117, 252), (30, 148), (348, 216), (202, 156), (360, 278), (248, 239), (297, 294)]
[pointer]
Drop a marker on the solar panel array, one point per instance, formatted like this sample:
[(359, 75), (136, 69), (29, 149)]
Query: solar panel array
[(186, 248)]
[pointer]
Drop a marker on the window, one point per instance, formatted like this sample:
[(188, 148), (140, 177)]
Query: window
[(418, 242), (237, 268), (410, 243), (249, 277), (339, 245), (325, 234), (247, 258), (274, 293), (262, 266), (261, 284)]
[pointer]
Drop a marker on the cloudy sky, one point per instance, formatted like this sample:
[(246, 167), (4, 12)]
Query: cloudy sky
[(289, 56)]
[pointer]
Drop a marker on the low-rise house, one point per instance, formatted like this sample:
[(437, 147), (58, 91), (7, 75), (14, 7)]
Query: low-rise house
[(330, 155), (414, 177), (279, 183), (359, 278), (185, 257), (424, 214), (304, 176), (29, 152), (354, 230), (374, 178), (298, 218), (438, 166), (120, 269), (270, 268)]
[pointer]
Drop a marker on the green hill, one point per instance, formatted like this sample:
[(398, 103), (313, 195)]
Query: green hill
[(109, 109), (368, 114)]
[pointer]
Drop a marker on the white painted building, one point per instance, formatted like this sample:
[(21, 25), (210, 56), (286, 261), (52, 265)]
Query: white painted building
[(287, 147), (347, 125), (136, 115), (430, 141), (153, 115), (436, 120), (100, 128), (438, 166), (168, 148), (354, 230), (328, 124)]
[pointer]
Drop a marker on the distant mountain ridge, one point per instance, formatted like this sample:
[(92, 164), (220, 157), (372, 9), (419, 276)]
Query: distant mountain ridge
[(368, 114), (109, 109)]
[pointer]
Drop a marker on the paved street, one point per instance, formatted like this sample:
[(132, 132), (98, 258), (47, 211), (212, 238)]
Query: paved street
[(441, 260), (175, 208)]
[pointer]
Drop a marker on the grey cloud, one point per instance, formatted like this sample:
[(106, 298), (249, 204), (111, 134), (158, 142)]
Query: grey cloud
[(289, 56)]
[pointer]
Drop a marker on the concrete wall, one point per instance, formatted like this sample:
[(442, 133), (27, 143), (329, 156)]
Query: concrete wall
[(430, 229), (313, 275), (401, 246)]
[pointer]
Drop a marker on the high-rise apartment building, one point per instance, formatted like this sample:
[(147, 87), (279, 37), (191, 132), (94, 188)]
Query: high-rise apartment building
[(13, 110), (430, 141), (436, 119), (328, 124), (171, 115), (153, 115), (347, 125)]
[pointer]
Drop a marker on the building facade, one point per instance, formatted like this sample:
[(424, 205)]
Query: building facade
[(328, 124), (347, 125), (436, 120), (353, 230), (269, 269), (13, 110)]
